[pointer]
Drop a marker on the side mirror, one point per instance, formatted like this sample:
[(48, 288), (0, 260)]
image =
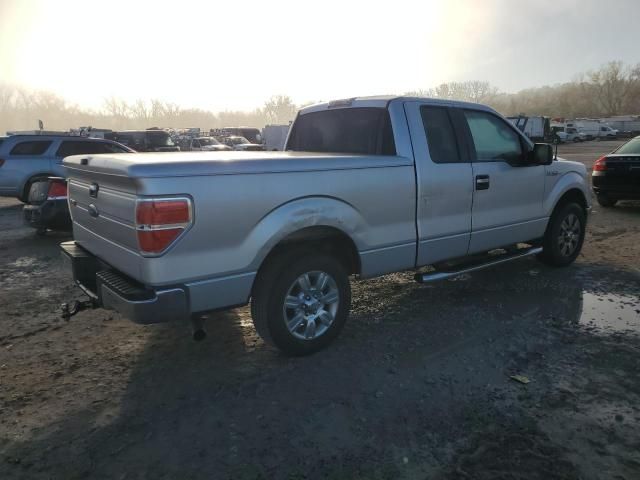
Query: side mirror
[(542, 154)]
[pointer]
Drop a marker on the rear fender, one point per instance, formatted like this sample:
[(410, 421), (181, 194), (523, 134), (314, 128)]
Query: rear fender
[(302, 213)]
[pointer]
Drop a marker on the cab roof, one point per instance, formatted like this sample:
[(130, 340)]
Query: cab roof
[(382, 101)]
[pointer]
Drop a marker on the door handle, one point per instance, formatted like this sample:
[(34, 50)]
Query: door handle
[(482, 182)]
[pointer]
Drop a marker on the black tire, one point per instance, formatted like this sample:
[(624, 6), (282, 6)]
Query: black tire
[(606, 201), (554, 243), (24, 198), (272, 285)]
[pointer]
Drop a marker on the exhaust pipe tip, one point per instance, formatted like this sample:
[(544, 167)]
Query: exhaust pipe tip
[(197, 329)]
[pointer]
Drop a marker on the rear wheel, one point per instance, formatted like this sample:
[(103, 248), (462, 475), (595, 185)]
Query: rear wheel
[(24, 197), (606, 201), (564, 236), (301, 301)]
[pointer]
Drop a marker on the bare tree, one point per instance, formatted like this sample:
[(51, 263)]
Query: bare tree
[(279, 109), (614, 85)]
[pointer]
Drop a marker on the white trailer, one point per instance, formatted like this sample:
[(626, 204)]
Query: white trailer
[(624, 124), (275, 136), (588, 126), (536, 128)]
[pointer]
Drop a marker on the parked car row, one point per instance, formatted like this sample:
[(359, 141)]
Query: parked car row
[(540, 128)]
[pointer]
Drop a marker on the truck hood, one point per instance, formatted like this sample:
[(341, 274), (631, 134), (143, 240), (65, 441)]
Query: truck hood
[(186, 164)]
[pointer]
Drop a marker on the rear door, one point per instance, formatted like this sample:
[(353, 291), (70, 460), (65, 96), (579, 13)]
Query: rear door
[(23, 160), (507, 199), (444, 183)]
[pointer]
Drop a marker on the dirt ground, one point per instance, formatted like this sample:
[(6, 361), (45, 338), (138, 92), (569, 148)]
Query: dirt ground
[(417, 387)]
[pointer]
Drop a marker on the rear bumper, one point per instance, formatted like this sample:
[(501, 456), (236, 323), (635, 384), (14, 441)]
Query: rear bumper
[(53, 214), (113, 290), (619, 186)]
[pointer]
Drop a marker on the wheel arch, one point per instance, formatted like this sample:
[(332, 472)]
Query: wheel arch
[(322, 223), (571, 187), (29, 179)]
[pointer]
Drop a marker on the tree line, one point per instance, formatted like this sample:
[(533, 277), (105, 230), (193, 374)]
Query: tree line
[(613, 89)]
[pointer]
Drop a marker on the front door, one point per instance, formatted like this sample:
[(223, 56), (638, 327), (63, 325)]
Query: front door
[(444, 183), (507, 197)]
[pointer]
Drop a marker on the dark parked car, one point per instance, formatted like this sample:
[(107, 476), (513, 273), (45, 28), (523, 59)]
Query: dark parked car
[(145, 140), (47, 207), (616, 176)]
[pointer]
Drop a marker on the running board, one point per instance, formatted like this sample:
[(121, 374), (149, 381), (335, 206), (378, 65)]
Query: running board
[(437, 276)]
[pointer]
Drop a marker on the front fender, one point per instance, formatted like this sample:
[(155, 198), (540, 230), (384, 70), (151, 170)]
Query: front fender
[(302, 213), (568, 181)]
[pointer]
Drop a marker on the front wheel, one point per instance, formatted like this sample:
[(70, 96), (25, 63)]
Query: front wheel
[(301, 301), (564, 236)]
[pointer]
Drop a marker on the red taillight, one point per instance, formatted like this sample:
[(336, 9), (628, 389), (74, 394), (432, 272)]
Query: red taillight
[(156, 241), (601, 164), (162, 212), (160, 221), (57, 190)]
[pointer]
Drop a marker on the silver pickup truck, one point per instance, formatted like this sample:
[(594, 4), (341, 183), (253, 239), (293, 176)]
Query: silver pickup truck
[(366, 186)]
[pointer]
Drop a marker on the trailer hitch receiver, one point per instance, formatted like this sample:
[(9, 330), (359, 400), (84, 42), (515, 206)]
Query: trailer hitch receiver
[(68, 310)]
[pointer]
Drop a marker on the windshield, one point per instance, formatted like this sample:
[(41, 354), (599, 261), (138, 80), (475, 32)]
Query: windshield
[(238, 140), (160, 139), (208, 141), (631, 147)]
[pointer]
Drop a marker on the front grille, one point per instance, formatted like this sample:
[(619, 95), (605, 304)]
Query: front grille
[(123, 286)]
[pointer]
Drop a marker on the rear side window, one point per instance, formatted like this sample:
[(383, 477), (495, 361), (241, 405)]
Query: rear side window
[(70, 147), (493, 139), (349, 130), (32, 147), (441, 139)]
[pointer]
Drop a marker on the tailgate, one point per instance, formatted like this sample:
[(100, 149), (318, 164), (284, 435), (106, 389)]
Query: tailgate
[(102, 202), (104, 211)]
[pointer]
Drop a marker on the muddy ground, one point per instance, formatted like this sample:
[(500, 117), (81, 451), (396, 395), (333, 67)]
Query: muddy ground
[(417, 387)]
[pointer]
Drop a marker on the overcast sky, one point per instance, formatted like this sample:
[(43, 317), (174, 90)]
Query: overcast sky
[(234, 55)]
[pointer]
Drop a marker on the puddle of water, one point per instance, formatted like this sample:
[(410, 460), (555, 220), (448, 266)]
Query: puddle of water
[(611, 312), (24, 262)]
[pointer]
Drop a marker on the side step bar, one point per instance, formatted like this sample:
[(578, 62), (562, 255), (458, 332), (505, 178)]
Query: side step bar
[(443, 275)]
